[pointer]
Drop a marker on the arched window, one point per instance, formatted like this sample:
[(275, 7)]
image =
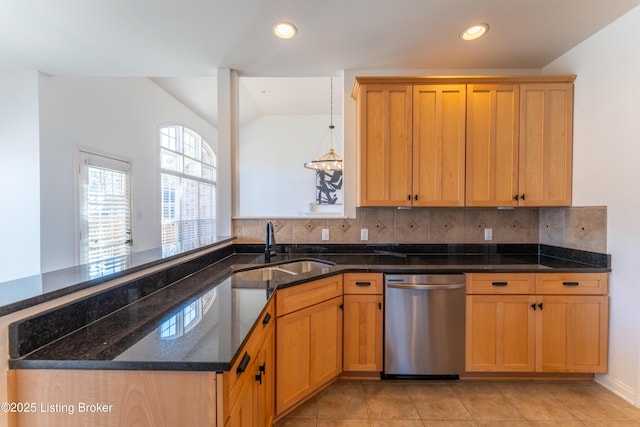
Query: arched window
[(188, 193)]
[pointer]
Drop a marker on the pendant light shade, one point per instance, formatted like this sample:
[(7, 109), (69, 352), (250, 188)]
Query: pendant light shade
[(330, 161)]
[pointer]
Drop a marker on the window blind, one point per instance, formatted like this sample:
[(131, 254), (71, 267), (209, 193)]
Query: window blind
[(188, 175), (105, 212)]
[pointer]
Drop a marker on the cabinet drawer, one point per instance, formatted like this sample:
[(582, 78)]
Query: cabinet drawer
[(297, 297), (500, 283), (572, 283), (363, 283)]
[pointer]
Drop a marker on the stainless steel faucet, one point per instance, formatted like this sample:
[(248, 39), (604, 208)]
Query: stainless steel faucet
[(269, 242)]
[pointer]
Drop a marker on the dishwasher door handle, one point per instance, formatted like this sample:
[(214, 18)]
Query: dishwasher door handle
[(425, 286)]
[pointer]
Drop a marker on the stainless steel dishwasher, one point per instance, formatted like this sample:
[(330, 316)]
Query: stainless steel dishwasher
[(424, 325)]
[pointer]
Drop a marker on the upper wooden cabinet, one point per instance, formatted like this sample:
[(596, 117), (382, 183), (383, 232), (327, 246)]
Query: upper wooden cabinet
[(384, 154), (439, 113), (492, 145), (546, 144), (411, 150), (519, 144), (464, 141)]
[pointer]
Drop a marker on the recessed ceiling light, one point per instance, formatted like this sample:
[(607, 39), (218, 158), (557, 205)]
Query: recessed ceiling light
[(284, 30), (474, 31)]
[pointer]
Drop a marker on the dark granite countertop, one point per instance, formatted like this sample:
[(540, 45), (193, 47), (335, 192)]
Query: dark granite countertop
[(200, 321), (29, 291)]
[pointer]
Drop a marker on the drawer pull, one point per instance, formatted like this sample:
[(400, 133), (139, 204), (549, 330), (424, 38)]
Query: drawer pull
[(499, 283), (570, 283), (363, 284), (243, 363), (266, 319)]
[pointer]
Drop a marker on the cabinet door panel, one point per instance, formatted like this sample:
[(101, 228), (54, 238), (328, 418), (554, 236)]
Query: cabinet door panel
[(572, 334), (362, 333), (500, 334), (384, 149), (492, 145), (439, 118), (309, 349), (546, 141), (266, 388)]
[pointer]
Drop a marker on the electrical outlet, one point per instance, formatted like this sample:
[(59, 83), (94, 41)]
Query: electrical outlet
[(364, 234), (488, 234), (325, 234)]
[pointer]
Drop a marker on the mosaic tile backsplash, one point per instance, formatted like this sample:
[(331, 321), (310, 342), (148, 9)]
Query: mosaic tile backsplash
[(581, 228)]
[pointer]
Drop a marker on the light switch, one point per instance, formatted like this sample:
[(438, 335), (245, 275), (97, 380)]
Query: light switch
[(364, 234), (325, 234)]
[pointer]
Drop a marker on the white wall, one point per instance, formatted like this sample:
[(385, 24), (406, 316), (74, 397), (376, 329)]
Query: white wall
[(113, 116), (19, 175), (607, 172), (273, 149)]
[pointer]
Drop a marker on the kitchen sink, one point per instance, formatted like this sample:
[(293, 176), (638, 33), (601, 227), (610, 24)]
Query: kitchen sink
[(306, 266), (262, 274), (280, 271)]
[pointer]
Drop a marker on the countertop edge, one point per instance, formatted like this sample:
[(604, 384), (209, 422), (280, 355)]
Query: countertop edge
[(24, 363)]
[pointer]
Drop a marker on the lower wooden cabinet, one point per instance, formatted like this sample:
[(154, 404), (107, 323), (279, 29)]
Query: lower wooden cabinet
[(500, 334), (572, 334), (246, 392), (308, 340), (266, 385), (537, 332), (363, 314)]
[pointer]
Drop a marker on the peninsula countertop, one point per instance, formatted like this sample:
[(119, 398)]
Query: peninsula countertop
[(199, 322)]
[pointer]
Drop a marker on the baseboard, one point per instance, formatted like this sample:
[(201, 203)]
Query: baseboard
[(617, 387)]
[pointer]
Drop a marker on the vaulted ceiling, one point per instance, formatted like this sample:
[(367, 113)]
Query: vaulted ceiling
[(180, 38)]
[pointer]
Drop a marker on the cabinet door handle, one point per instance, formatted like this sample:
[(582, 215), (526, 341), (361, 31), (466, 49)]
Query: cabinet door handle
[(540, 306), (522, 197), (570, 283), (243, 363), (499, 283), (363, 284), (263, 368), (379, 306), (515, 197), (409, 197), (533, 306), (259, 377), (415, 197), (266, 319)]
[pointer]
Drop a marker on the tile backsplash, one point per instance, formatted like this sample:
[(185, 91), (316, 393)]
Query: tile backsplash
[(581, 228)]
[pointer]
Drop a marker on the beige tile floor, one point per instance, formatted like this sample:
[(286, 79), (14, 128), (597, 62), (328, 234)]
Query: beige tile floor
[(463, 403)]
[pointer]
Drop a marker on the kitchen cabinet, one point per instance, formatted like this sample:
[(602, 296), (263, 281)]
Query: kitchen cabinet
[(500, 325), (439, 117), (247, 390), (384, 153), (411, 145), (492, 144), (464, 140), (266, 385), (308, 339), (519, 144), (363, 314), (573, 322), (553, 322), (546, 144)]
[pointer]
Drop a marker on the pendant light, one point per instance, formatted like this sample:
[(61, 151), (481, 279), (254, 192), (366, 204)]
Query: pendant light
[(330, 161)]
